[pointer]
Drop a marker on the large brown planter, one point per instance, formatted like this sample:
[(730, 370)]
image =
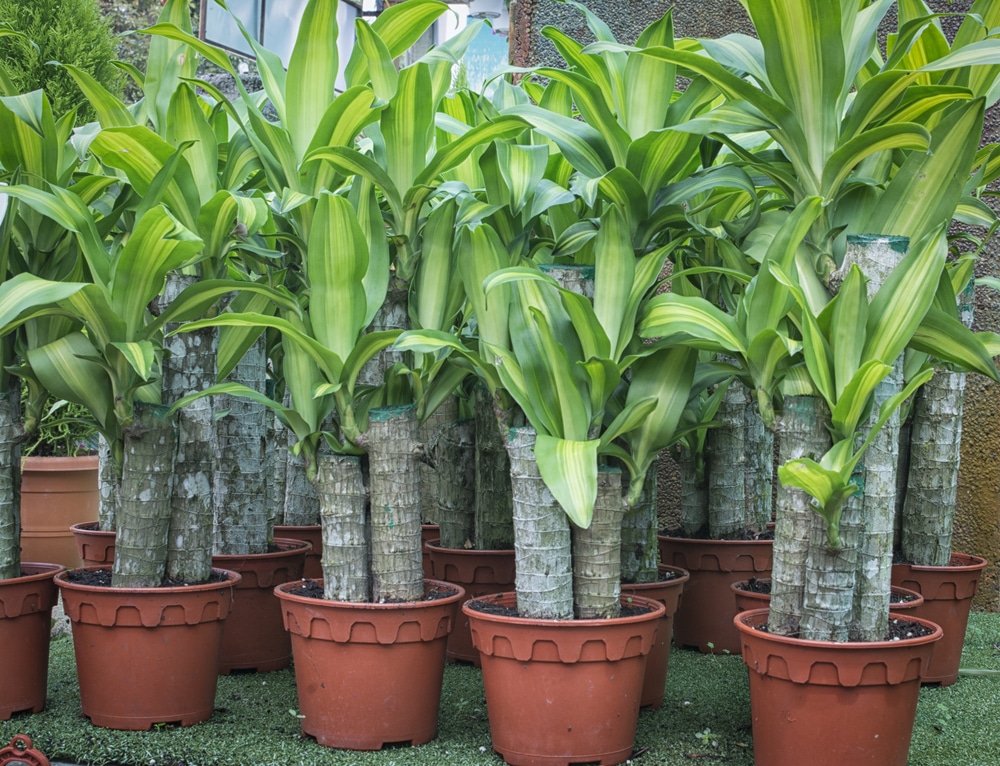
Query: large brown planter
[(947, 593), (562, 692), (25, 623), (312, 534), (704, 620), (668, 593), (255, 637), (903, 599), (369, 674), (832, 704), (478, 573), (146, 656), (96, 547), (56, 492)]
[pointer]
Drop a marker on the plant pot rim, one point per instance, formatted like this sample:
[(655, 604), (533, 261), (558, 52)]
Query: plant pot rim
[(281, 591), (436, 545), (745, 621), (975, 562), (232, 579), (287, 545), (43, 570), (656, 611), (682, 577), (710, 541), (55, 463), (91, 527)]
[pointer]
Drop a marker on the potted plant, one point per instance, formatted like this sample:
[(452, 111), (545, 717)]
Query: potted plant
[(350, 414), (59, 484), (849, 348)]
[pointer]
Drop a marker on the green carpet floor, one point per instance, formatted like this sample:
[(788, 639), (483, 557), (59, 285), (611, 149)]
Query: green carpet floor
[(705, 719)]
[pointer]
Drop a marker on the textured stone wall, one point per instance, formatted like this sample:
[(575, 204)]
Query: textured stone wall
[(977, 527)]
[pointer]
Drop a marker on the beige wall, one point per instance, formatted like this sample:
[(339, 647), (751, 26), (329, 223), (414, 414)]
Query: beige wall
[(977, 527)]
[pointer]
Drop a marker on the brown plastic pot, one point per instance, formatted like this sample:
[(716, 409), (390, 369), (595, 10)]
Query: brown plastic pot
[(562, 692), (428, 532), (828, 703), (146, 656), (704, 620), (96, 547), (369, 674), (668, 593), (312, 534), (255, 637), (56, 492), (947, 593), (25, 624), (746, 600), (478, 573)]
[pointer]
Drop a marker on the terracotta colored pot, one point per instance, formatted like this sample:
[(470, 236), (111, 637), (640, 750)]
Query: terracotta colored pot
[(560, 692), (314, 536), (748, 599), (947, 593), (95, 547), (830, 704), (478, 573), (25, 623), (56, 492), (668, 593), (705, 616), (428, 532), (147, 655), (255, 637), (369, 674)]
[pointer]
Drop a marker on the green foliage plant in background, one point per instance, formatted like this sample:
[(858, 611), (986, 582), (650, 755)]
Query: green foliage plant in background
[(68, 31)]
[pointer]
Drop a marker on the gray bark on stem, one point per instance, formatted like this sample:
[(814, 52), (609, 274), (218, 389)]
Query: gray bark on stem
[(456, 483), (343, 502), (543, 552), (726, 459), (494, 505), (109, 485), (801, 432), (931, 488), (759, 476), (639, 548), (144, 511), (694, 493), (275, 471), (391, 442), (189, 366), (597, 553), (11, 436), (241, 518), (427, 433)]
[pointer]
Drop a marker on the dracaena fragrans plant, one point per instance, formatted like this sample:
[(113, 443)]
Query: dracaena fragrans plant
[(829, 126)]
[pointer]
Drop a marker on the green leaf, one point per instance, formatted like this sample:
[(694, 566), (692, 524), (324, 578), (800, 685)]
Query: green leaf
[(66, 370), (385, 78), (584, 148), (847, 328), (669, 315), (139, 355), (947, 339), (312, 72), (855, 398), (614, 276), (336, 262), (25, 292), (569, 470), (399, 27)]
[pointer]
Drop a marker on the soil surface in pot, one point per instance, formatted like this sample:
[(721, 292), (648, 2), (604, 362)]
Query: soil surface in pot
[(662, 576), (101, 578), (312, 589), (702, 534), (763, 585), (898, 630), (493, 607)]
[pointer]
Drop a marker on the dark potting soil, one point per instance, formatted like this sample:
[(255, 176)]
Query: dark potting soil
[(702, 534), (755, 585), (494, 607), (898, 629), (101, 578), (312, 589)]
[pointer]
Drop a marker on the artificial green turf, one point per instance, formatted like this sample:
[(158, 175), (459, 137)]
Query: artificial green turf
[(255, 724)]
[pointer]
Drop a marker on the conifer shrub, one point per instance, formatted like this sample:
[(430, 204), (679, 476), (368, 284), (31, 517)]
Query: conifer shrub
[(67, 31)]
